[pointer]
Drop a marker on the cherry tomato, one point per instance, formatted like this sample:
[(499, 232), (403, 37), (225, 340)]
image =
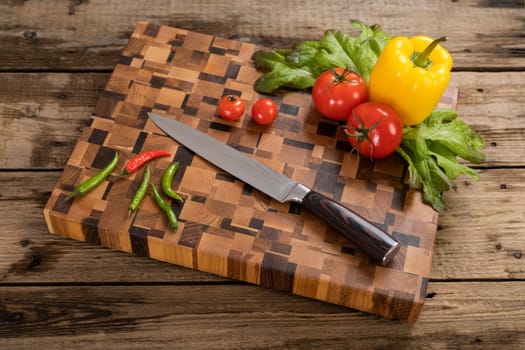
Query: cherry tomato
[(374, 129), (337, 91), (264, 111), (231, 107)]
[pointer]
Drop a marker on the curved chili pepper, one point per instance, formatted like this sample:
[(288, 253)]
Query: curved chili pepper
[(89, 184), (140, 159), (141, 191), (167, 179), (172, 219)]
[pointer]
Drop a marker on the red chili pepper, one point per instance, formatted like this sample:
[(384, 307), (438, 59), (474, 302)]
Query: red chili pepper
[(140, 159)]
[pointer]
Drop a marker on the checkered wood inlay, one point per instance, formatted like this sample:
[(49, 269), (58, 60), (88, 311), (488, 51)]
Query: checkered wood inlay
[(226, 227)]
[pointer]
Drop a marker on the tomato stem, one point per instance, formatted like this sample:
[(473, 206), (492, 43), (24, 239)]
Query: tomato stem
[(339, 78), (361, 133)]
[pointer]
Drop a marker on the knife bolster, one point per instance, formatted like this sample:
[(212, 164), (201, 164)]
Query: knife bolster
[(297, 194)]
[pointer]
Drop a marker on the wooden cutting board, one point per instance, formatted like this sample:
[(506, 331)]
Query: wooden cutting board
[(226, 227)]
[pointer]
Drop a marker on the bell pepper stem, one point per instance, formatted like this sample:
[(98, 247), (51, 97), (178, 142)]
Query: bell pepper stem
[(421, 59)]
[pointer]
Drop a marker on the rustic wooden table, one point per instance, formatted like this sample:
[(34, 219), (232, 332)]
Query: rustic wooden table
[(55, 59)]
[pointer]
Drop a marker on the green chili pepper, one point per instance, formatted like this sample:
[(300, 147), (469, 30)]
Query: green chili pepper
[(141, 191), (91, 183), (172, 219), (167, 179)]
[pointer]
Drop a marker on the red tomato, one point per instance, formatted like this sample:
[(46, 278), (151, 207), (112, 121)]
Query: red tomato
[(231, 107), (336, 92), (264, 111), (374, 130)]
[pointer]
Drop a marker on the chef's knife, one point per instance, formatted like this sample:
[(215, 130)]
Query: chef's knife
[(373, 241)]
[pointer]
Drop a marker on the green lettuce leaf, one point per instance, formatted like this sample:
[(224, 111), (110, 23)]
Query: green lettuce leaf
[(281, 73), (299, 66), (432, 149)]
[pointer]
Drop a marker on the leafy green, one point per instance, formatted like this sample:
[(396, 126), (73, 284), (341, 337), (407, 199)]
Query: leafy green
[(431, 149), (299, 66)]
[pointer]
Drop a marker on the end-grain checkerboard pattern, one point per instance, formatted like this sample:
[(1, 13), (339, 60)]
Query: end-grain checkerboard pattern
[(226, 227)]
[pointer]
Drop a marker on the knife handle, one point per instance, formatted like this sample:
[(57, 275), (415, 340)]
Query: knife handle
[(370, 239)]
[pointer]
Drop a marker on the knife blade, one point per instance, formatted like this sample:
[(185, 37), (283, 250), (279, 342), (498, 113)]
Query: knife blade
[(367, 237)]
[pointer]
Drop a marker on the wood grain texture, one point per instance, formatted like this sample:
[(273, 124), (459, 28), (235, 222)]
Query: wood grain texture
[(90, 34), (492, 103), (43, 115), (488, 214), (218, 317)]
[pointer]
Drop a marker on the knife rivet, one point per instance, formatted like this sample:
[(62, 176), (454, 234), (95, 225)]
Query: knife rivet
[(29, 35)]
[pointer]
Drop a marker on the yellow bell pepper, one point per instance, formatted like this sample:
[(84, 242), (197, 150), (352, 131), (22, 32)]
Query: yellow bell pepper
[(411, 75)]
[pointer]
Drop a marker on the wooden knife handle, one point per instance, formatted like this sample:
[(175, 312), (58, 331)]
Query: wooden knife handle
[(370, 239)]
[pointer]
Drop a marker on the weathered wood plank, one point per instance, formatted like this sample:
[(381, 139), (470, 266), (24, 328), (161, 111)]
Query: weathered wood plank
[(90, 35), (481, 231), (458, 315), (43, 115), (479, 239), (492, 103), (92, 305)]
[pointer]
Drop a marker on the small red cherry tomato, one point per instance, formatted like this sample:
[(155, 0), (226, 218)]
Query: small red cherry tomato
[(231, 107), (264, 111), (374, 130), (337, 91)]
